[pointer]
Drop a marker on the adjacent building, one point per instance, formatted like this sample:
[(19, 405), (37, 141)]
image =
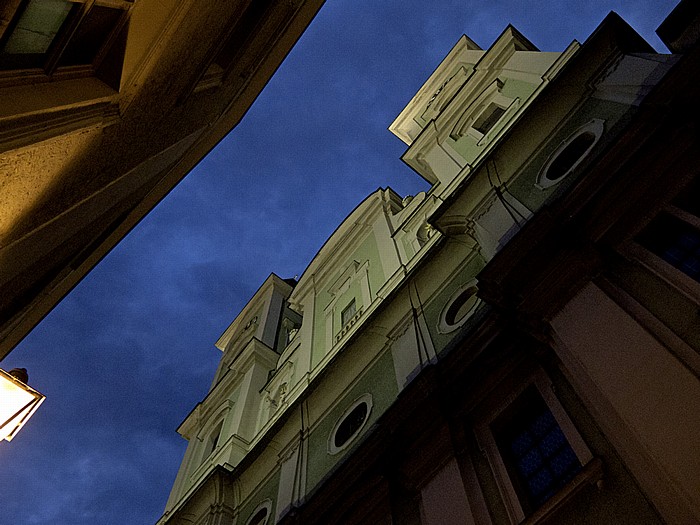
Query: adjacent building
[(519, 344), (105, 105)]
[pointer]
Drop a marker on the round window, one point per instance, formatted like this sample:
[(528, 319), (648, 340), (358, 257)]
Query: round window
[(570, 153), (459, 308), (260, 515), (350, 424)]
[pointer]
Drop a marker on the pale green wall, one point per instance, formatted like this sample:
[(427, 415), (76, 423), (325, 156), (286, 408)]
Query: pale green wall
[(523, 188), (435, 305), (367, 250), (380, 381), (407, 241), (467, 146), (267, 491)]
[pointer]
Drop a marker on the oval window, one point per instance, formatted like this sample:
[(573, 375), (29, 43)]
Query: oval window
[(570, 154), (350, 425), (459, 307), (260, 515)]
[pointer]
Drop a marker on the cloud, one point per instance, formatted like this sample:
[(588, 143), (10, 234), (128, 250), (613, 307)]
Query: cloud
[(129, 352)]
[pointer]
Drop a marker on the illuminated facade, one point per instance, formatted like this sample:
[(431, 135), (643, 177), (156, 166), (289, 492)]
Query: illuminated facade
[(519, 344), (104, 106)]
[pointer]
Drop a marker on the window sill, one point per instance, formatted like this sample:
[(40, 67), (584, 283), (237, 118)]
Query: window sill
[(591, 473)]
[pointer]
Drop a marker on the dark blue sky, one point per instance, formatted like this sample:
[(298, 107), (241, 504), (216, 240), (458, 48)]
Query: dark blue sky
[(126, 356)]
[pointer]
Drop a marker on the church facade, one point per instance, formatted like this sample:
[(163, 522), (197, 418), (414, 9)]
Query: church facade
[(519, 344)]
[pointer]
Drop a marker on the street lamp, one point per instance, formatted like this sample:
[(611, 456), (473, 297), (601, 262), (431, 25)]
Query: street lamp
[(18, 401)]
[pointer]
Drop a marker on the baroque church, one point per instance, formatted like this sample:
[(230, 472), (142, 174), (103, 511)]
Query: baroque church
[(519, 344)]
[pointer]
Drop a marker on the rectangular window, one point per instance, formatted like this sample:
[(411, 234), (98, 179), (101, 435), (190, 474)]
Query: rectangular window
[(90, 36), (674, 234), (34, 30), (537, 455), (348, 313), (58, 35), (488, 118), (674, 241)]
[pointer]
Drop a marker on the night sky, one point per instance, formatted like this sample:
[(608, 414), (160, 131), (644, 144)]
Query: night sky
[(126, 356)]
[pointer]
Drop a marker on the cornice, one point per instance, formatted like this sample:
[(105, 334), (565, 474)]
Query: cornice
[(343, 242)]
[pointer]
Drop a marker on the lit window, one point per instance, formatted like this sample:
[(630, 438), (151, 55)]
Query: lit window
[(535, 451), (350, 424), (348, 313)]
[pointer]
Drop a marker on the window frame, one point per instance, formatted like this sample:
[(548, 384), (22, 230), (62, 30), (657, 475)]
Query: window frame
[(333, 449), (219, 419), (596, 127), (443, 326), (634, 250), (212, 441), (495, 406), (347, 313), (492, 95), (264, 505), (50, 68)]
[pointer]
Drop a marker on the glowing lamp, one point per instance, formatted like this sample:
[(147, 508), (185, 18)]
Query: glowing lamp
[(18, 401)]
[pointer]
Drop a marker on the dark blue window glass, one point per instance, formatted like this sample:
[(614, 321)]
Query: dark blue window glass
[(675, 241), (537, 455)]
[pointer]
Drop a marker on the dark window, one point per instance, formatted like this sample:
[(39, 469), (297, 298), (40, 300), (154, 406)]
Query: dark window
[(689, 199), (91, 35), (570, 155), (488, 118), (213, 440), (535, 451), (675, 241), (461, 306), (350, 425), (259, 518)]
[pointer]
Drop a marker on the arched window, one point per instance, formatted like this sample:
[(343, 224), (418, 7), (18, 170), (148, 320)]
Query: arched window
[(212, 440)]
